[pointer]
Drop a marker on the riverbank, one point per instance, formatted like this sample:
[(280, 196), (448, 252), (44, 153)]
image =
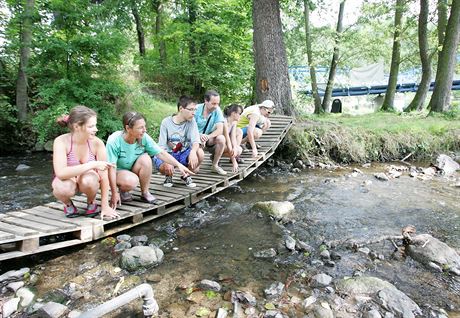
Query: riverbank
[(374, 137)]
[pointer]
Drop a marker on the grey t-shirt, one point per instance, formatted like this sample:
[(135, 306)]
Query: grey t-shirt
[(171, 134)]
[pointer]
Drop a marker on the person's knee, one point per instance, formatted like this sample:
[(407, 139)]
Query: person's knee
[(220, 140), (127, 181), (145, 160), (64, 189), (257, 133), (166, 169), (89, 182)]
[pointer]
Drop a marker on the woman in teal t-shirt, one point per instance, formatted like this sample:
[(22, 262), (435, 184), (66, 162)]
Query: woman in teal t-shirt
[(131, 150)]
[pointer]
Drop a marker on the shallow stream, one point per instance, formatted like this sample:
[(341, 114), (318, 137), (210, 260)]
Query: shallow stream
[(216, 239)]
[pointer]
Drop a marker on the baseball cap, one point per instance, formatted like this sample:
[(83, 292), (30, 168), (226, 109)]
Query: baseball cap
[(268, 104)]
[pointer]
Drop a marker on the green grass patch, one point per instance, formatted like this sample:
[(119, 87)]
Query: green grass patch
[(374, 137), (152, 108)]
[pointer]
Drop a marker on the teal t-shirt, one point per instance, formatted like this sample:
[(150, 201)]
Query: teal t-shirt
[(216, 117), (124, 154)]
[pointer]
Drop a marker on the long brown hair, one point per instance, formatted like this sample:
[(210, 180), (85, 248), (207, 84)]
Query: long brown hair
[(78, 115)]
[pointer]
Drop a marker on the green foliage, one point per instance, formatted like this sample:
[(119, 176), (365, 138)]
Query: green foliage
[(210, 294)]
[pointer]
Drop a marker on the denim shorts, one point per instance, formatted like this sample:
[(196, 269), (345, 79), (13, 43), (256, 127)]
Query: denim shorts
[(181, 156)]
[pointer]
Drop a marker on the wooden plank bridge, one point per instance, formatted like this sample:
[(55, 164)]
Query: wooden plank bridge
[(44, 228)]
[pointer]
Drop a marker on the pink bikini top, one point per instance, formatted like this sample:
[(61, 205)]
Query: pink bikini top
[(72, 159)]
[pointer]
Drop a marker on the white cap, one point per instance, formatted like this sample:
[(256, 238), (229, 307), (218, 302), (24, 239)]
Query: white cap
[(268, 104)]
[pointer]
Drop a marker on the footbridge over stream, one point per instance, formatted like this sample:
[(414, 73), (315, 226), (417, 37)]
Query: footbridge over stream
[(44, 228)]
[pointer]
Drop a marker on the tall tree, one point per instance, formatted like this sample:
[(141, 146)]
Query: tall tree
[(425, 58), (442, 22), (22, 98), (272, 78), (158, 9), (395, 57), (335, 58), (311, 63), (447, 61), (139, 27)]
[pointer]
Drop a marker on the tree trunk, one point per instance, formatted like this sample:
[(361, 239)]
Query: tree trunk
[(447, 61), (22, 98), (157, 7), (425, 58), (335, 57), (442, 23), (192, 14), (272, 78), (395, 58), (139, 28), (308, 41)]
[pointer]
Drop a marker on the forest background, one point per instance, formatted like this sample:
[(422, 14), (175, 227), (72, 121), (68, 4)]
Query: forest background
[(118, 55)]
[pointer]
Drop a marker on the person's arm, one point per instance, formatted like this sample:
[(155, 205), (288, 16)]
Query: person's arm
[(218, 131), (253, 118), (113, 152), (267, 125), (64, 172), (166, 157)]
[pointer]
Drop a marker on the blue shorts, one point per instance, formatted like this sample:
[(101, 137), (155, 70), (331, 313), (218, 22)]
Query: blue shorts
[(181, 156), (245, 130)]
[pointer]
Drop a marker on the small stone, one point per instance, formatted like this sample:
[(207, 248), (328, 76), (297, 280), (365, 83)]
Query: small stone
[(22, 167), (325, 254), (295, 170), (275, 290), (120, 247), (14, 275), (304, 247), (329, 290), (373, 313), (366, 165), (381, 176), (52, 310), (321, 280), (207, 284), (139, 240), (26, 296), (309, 301), (10, 306), (289, 242), (222, 313), (74, 314), (14, 286), (335, 256), (329, 263), (273, 314), (316, 262), (123, 238), (153, 278), (364, 250)]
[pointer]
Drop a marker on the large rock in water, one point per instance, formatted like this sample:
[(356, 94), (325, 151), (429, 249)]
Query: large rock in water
[(432, 252), (446, 164), (391, 298), (140, 257), (275, 208)]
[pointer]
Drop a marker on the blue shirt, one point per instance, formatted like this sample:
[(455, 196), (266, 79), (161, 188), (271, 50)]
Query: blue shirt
[(214, 118)]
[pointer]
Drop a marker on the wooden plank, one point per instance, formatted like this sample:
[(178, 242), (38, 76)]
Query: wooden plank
[(17, 230), (38, 219), (6, 236)]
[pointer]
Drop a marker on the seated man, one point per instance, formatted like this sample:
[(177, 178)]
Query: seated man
[(179, 137), (210, 121), (254, 122)]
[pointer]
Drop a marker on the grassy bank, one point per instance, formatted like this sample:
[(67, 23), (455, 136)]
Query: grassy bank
[(374, 137)]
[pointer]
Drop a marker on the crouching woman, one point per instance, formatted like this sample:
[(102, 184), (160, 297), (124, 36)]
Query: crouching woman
[(79, 162)]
